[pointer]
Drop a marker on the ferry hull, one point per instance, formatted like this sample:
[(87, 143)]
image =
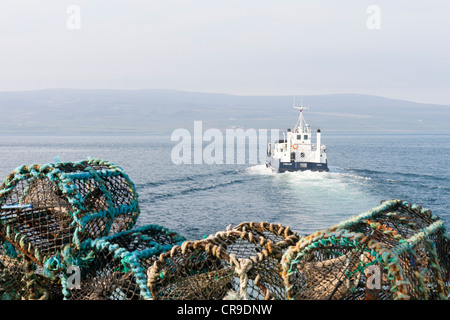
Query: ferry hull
[(277, 166)]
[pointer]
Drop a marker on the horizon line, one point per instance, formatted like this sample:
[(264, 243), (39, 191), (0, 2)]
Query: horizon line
[(221, 93)]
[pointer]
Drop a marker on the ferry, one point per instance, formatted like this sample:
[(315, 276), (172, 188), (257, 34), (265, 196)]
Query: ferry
[(297, 152)]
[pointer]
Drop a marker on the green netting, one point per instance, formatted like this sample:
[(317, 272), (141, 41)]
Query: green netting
[(114, 268), (43, 207), (22, 279), (395, 251)]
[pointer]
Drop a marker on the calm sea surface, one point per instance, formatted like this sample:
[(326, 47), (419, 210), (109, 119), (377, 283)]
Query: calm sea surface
[(198, 200)]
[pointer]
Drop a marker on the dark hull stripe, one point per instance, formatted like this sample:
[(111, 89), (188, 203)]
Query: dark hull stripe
[(278, 166)]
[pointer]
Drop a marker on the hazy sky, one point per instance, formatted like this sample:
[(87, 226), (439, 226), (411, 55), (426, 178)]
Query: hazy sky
[(246, 47)]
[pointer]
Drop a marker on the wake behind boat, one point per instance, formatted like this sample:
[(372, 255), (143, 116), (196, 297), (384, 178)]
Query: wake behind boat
[(296, 152)]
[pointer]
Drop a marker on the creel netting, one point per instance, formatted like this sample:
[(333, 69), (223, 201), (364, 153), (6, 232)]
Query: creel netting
[(238, 263), (114, 268), (395, 251), (44, 207)]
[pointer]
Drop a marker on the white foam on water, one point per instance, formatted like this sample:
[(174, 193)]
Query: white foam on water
[(260, 169), (325, 186), (318, 200)]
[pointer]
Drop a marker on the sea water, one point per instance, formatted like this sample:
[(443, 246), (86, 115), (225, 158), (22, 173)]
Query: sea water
[(197, 200)]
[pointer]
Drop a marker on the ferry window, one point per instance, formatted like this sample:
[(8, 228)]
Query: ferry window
[(299, 137), (306, 137)]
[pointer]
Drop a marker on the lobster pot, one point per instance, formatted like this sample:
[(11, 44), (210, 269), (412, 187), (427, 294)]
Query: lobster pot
[(394, 251), (114, 268), (44, 207), (228, 265), (21, 279), (404, 220)]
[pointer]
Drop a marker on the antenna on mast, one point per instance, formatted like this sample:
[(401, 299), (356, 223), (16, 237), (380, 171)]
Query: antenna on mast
[(301, 124), (301, 107)]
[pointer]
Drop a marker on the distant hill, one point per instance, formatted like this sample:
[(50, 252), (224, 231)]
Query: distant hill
[(76, 111)]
